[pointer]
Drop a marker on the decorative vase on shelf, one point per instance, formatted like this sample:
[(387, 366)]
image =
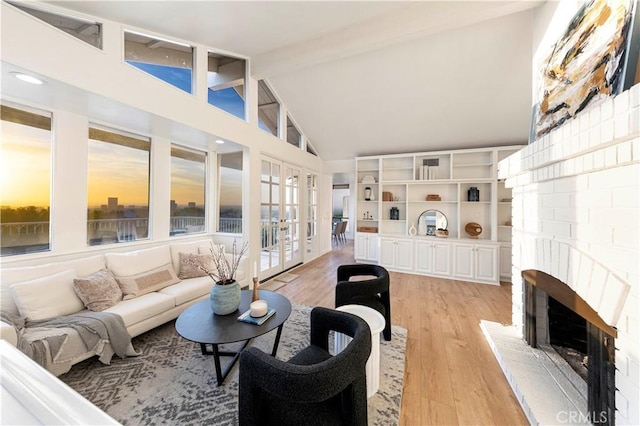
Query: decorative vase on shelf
[(367, 194), (225, 298), (413, 230)]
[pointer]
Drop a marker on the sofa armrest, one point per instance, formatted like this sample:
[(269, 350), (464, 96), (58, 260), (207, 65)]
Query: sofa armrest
[(8, 333)]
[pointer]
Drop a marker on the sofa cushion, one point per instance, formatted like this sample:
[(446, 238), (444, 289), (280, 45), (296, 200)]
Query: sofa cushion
[(137, 262), (98, 291), (142, 308), (189, 270), (188, 247), (148, 281), (83, 267), (188, 290), (47, 297)]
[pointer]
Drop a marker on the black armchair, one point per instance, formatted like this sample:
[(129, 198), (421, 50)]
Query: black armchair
[(313, 387), (373, 293)]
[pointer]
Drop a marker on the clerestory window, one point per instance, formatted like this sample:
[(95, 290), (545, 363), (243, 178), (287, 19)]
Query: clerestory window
[(170, 61), (88, 31), (226, 83), (268, 110)]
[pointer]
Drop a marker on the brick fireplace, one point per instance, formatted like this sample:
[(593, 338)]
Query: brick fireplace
[(576, 199)]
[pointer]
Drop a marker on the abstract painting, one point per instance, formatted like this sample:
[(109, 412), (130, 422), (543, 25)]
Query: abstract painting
[(585, 65)]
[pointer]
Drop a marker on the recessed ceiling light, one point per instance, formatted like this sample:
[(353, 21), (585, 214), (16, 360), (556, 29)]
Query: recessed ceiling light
[(219, 141), (27, 78)]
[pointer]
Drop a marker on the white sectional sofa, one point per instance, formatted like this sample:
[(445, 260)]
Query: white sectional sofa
[(45, 291)]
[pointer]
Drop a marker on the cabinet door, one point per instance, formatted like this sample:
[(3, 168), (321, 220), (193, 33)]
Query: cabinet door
[(404, 254), (360, 248), (441, 258), (387, 252), (372, 248), (424, 257), (463, 261), (486, 263), (505, 262)]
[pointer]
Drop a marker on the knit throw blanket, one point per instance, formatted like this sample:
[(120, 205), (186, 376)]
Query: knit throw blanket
[(101, 333)]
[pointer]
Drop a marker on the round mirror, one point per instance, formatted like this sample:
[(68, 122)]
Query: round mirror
[(431, 220)]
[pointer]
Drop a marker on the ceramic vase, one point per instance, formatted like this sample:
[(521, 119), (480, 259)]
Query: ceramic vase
[(412, 230), (225, 299)]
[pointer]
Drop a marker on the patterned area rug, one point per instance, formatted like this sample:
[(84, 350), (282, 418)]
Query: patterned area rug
[(173, 383)]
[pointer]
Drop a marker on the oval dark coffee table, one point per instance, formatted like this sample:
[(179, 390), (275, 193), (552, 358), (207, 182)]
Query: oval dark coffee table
[(199, 324)]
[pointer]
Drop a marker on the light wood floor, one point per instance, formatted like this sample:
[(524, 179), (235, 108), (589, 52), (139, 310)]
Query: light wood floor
[(451, 376)]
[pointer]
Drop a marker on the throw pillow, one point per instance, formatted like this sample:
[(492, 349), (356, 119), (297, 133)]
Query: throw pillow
[(98, 291), (47, 297), (147, 282), (188, 270)]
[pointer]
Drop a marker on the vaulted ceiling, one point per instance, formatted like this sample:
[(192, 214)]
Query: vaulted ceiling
[(368, 77)]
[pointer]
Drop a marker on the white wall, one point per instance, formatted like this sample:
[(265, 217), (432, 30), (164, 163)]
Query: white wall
[(92, 85)]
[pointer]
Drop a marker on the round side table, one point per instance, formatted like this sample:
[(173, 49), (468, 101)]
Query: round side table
[(376, 324)]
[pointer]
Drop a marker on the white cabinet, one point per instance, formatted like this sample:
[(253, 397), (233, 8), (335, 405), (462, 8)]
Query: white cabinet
[(433, 257), (366, 247), (396, 254), (505, 262), (476, 262)]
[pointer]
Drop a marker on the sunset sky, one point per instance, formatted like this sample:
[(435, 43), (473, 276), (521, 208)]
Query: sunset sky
[(25, 166), (114, 171)]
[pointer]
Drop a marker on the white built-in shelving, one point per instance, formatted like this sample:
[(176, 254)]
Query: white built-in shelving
[(405, 182)]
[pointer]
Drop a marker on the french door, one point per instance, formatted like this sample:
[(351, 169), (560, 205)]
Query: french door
[(279, 217)]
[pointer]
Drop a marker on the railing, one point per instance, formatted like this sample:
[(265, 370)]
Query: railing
[(230, 225), (18, 235)]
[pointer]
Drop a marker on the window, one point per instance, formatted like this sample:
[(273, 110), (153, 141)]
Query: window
[(268, 110), (230, 193), (226, 83), (25, 187), (310, 149), (88, 31), (188, 182), (118, 175), (170, 61), (293, 134)]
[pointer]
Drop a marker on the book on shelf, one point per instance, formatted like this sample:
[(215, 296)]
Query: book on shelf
[(246, 317)]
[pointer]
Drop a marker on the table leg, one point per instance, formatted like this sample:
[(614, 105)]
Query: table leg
[(275, 344), (216, 361), (222, 375)]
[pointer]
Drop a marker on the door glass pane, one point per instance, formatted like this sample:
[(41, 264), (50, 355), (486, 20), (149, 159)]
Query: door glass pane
[(275, 194), (266, 171), (275, 173), (264, 192)]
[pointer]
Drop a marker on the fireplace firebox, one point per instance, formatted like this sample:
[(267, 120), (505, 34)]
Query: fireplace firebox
[(555, 316)]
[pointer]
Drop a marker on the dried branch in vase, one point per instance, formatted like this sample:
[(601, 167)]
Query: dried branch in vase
[(219, 268)]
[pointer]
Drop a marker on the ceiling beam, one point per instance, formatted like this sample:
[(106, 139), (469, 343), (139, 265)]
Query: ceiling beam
[(416, 21)]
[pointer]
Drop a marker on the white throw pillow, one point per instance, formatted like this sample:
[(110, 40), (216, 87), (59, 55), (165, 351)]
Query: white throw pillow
[(137, 262), (47, 297)]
